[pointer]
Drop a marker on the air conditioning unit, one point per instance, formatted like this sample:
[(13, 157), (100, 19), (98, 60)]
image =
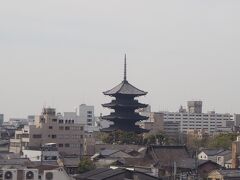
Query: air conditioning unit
[(30, 174), (48, 175), (9, 174)]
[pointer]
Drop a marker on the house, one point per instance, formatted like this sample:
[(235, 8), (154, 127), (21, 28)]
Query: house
[(227, 174), (210, 154), (224, 157), (115, 174), (108, 157), (70, 164), (189, 166)]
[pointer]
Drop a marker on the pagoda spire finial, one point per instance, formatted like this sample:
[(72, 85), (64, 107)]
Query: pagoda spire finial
[(125, 67)]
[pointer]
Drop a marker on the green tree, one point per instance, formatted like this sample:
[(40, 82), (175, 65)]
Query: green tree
[(122, 137), (85, 165), (222, 141), (159, 139)]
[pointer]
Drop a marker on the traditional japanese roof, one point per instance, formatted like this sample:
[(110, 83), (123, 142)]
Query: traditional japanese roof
[(125, 88), (114, 116), (134, 104)]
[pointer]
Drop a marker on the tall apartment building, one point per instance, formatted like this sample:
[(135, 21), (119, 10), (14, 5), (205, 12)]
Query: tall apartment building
[(50, 127), (86, 114), (1, 119), (194, 119)]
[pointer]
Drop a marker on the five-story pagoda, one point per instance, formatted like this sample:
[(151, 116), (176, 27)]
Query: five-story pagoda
[(125, 106)]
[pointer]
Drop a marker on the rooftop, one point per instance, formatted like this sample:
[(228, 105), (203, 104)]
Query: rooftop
[(125, 88)]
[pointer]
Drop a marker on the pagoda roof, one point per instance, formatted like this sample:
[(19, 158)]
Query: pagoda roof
[(125, 88)]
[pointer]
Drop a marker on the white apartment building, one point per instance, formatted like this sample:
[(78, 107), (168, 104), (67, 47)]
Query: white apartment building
[(86, 114), (196, 120)]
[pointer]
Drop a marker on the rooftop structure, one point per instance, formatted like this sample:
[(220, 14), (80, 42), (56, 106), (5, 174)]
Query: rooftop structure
[(125, 106)]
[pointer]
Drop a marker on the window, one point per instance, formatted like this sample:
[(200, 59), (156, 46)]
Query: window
[(54, 136), (89, 112), (54, 120), (60, 121), (37, 136), (67, 128), (60, 145), (67, 145), (89, 116), (89, 120), (81, 128), (50, 127), (61, 128)]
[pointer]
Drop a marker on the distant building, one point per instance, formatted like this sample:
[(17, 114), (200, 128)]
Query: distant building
[(18, 122), (154, 124), (50, 127), (194, 119), (237, 120), (86, 114), (1, 119), (195, 107)]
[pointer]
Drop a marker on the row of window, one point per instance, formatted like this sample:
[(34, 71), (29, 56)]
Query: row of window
[(67, 145), (60, 136), (75, 128), (200, 115)]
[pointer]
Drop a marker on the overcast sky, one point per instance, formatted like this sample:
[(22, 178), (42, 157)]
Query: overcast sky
[(63, 53)]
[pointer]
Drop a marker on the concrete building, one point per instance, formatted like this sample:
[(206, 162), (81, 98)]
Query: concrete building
[(237, 119), (194, 119), (154, 124), (17, 122), (50, 127), (195, 107), (1, 119), (48, 152), (86, 114)]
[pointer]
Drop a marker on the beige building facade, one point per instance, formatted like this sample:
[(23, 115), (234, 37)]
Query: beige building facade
[(50, 127)]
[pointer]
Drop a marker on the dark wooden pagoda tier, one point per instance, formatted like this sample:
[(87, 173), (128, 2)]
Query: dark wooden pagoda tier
[(125, 106)]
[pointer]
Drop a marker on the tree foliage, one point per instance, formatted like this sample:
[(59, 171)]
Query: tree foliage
[(158, 139), (121, 137), (85, 165), (222, 141)]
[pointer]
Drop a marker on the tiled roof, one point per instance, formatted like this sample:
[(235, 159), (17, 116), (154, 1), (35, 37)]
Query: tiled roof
[(212, 152), (230, 172), (125, 88)]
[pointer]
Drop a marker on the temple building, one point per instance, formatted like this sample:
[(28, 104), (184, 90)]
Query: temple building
[(125, 105)]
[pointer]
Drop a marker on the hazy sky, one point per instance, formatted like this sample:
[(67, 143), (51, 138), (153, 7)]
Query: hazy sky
[(63, 53)]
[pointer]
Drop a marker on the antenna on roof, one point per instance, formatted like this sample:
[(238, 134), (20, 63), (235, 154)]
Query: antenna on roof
[(125, 67)]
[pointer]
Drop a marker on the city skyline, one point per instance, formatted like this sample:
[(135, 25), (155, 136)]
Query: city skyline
[(66, 54)]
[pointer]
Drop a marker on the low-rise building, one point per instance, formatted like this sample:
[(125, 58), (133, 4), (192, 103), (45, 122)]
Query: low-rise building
[(50, 127), (227, 174), (48, 152)]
